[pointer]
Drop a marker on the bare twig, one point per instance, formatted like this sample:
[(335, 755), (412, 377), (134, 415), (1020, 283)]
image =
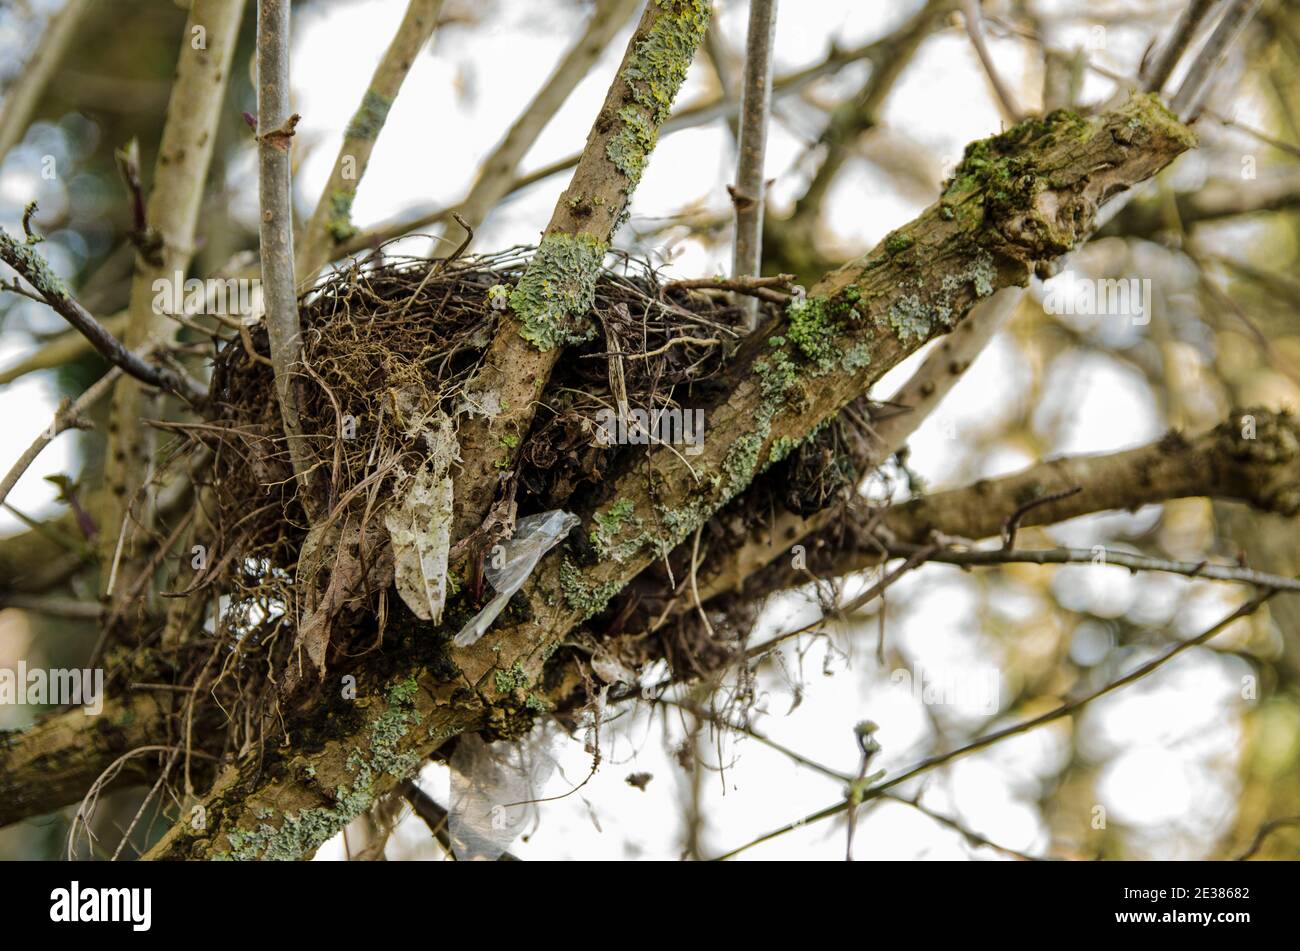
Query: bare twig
[(1065, 709), (1191, 94), (68, 416), (1104, 556), (913, 560), (748, 197), (275, 192), (1189, 22), (975, 29), (24, 259), (331, 222), (762, 288), (54, 607), (1264, 832), (1012, 523)]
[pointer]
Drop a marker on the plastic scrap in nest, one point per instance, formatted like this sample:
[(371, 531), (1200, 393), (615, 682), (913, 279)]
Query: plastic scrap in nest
[(419, 525), (534, 536)]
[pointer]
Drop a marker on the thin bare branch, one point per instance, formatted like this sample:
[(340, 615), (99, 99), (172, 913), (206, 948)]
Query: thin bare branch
[(1068, 708), (1202, 69), (749, 195), (1102, 556), (22, 97), (275, 130), (331, 222), (68, 416), (691, 116), (975, 30), (1185, 30), (189, 136)]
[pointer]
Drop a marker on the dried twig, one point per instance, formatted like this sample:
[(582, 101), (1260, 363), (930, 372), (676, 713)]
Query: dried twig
[(761, 288)]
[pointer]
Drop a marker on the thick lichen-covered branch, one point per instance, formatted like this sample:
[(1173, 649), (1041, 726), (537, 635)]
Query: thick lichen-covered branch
[(498, 171), (551, 305), (53, 763), (1253, 456), (1018, 202), (359, 750)]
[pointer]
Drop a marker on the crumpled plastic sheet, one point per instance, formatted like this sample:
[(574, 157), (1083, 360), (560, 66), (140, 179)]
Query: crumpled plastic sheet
[(491, 788), (534, 536)]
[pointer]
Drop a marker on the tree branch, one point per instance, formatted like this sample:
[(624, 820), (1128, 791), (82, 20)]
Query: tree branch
[(1065, 709), (749, 197), (1252, 457), (551, 303), (275, 131), (975, 30), (67, 417), (331, 222), (1191, 94), (207, 49), (24, 259), (1189, 22), (22, 97), (495, 177), (53, 763), (793, 236), (691, 116)]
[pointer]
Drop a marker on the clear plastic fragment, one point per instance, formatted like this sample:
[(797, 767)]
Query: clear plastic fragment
[(509, 567)]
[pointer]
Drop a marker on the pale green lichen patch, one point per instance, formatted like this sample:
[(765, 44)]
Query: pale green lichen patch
[(553, 298), (582, 596), (856, 357), (653, 74), (370, 116), (619, 519), (511, 679), (22, 257), (915, 316), (815, 322), (339, 221)]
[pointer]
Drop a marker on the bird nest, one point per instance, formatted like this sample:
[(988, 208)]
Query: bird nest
[(389, 343)]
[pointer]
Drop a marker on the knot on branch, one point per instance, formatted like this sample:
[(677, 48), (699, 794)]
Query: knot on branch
[(1264, 448)]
